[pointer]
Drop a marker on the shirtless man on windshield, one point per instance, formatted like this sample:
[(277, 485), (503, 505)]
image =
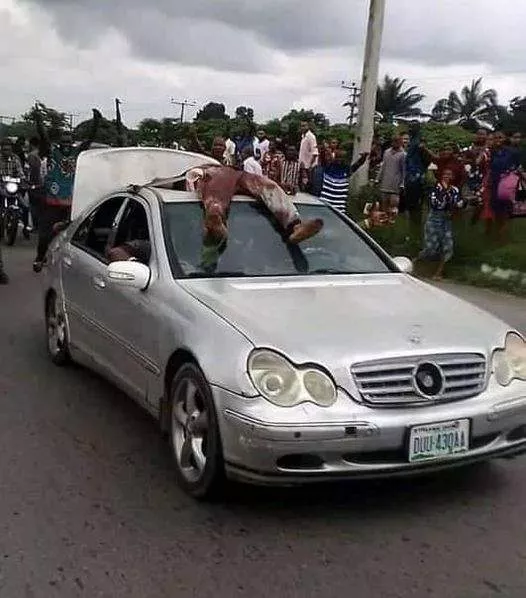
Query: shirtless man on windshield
[(217, 185)]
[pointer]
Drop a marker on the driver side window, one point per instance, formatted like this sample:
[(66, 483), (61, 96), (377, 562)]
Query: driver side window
[(133, 232), (94, 233)]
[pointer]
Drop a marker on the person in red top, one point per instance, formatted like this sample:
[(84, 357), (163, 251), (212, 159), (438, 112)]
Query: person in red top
[(448, 159)]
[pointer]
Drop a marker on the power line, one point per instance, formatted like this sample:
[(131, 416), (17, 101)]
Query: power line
[(183, 105), (354, 96)]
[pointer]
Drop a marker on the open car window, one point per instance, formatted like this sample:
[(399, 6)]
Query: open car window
[(256, 246), (133, 231), (95, 231)]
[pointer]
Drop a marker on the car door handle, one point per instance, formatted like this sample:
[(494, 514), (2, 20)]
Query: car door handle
[(98, 282), (67, 261)]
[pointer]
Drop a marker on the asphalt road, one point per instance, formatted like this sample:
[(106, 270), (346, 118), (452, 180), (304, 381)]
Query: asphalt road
[(89, 507)]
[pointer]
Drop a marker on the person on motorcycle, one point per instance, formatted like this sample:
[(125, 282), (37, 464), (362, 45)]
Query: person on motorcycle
[(10, 166), (58, 184)]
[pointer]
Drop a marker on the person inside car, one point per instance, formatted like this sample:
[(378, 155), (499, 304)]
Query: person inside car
[(137, 250)]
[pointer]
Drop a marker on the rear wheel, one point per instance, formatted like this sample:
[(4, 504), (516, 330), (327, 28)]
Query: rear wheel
[(11, 228), (194, 434), (56, 332)]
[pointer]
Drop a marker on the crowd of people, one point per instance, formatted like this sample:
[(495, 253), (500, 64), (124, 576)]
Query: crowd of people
[(47, 171), (484, 176), (483, 179)]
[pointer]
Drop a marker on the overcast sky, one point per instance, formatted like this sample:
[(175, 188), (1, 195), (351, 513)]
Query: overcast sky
[(272, 55)]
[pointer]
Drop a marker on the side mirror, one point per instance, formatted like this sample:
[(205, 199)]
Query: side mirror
[(130, 274), (404, 264)]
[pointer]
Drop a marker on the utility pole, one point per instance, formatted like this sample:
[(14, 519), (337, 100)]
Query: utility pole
[(353, 99), (121, 141), (371, 65), (183, 105), (71, 118)]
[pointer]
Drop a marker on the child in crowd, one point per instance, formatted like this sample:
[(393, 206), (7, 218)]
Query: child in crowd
[(444, 201)]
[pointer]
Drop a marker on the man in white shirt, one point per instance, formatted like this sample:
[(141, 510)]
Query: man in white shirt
[(229, 157), (261, 144), (308, 147), (308, 157), (250, 164)]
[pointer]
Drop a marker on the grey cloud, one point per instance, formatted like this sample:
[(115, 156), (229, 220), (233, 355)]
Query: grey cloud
[(243, 35)]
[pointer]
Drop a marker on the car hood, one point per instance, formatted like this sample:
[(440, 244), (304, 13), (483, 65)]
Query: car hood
[(345, 319)]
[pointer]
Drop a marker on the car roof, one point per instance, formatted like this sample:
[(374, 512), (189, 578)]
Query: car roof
[(169, 196)]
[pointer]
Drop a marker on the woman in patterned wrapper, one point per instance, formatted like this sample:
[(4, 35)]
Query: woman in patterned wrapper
[(444, 200)]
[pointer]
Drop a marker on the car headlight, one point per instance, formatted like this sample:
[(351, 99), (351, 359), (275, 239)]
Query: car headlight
[(11, 187), (286, 385), (510, 363)]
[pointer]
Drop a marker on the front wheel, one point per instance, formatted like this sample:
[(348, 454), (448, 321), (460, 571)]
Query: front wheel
[(194, 434), (11, 228), (56, 332)]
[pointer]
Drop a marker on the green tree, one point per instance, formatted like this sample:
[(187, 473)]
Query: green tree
[(54, 121), (170, 132), (395, 101), (19, 128), (472, 108), (514, 118), (106, 133), (213, 111), (149, 132), (318, 119), (245, 113), (437, 135)]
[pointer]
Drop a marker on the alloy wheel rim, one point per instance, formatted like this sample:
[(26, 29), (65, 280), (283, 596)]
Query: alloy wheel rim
[(56, 328), (190, 425)]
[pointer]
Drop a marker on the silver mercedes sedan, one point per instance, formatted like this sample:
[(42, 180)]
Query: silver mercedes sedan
[(285, 364)]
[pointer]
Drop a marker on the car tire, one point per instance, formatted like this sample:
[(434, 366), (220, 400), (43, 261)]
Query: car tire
[(194, 434), (57, 332)]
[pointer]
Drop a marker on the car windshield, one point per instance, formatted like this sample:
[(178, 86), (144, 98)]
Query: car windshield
[(256, 248)]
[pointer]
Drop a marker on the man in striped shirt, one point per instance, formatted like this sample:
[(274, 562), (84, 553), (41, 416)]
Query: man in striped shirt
[(336, 180)]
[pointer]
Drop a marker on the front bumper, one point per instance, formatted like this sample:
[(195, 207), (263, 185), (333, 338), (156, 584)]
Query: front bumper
[(271, 445)]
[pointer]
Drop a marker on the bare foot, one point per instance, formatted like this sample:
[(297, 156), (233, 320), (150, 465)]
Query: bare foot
[(305, 230), (215, 227)]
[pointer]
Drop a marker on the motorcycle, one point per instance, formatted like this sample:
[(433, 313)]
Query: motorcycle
[(11, 209)]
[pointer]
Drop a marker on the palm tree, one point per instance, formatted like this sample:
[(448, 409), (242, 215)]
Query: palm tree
[(473, 108), (393, 102)]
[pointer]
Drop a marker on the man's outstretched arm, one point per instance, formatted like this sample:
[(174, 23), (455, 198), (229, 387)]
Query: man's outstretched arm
[(45, 144), (97, 117), (360, 162)]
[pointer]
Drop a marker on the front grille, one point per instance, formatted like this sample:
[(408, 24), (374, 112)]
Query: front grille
[(390, 382)]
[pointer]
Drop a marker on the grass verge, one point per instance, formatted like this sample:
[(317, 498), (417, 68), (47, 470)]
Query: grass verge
[(473, 248)]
